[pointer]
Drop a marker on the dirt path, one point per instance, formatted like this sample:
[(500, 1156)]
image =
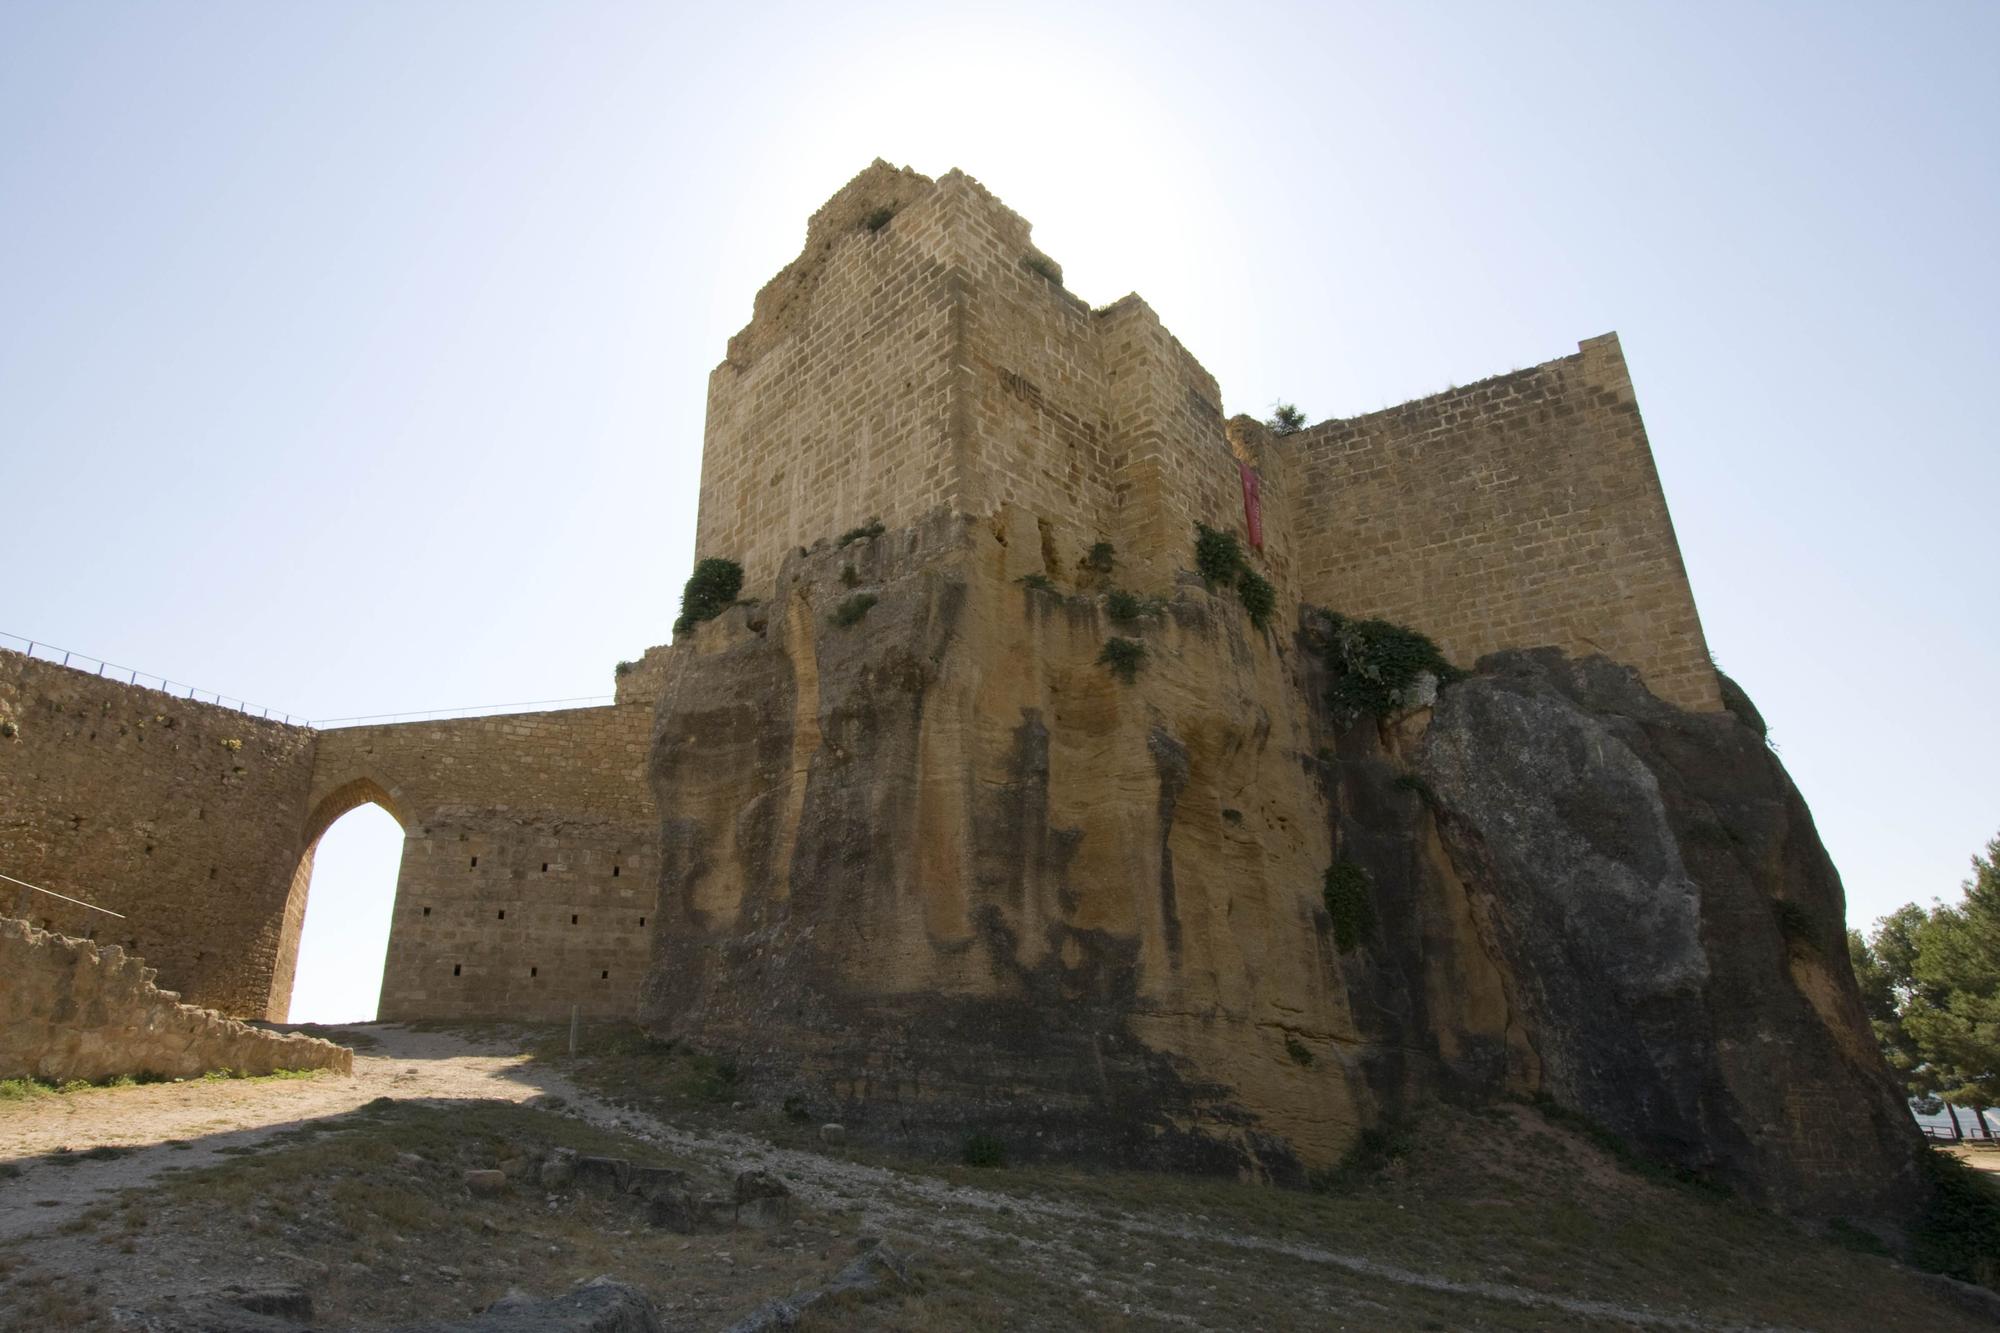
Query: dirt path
[(140, 1132), (155, 1128)]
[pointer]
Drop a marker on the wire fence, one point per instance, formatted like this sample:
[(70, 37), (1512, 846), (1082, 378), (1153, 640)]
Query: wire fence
[(76, 661), (64, 896)]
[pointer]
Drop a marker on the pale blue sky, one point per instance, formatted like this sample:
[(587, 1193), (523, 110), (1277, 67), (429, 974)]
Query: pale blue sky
[(352, 355)]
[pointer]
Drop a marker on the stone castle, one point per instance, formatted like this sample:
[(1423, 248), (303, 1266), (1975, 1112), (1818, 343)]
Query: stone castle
[(891, 833)]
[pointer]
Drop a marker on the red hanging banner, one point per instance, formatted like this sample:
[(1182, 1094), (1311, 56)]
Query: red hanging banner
[(1253, 505)]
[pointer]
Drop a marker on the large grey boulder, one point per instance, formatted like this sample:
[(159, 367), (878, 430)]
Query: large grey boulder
[(1671, 930)]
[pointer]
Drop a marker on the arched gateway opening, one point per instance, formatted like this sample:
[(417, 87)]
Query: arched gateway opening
[(338, 910)]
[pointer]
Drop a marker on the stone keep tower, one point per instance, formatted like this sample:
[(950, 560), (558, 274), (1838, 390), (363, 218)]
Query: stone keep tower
[(921, 355)]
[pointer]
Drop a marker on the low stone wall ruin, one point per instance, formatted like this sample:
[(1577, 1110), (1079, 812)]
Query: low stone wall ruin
[(70, 1009)]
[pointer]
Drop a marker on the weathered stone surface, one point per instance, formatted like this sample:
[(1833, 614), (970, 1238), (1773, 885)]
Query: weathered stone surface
[(649, 1181), (559, 1171), (1670, 930), (944, 870), (865, 1275), (609, 1175), (70, 1009), (762, 1200), (678, 1208), (486, 1182)]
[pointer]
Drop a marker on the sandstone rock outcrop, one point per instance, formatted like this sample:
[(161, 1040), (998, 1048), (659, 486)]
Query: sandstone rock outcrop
[(944, 868), (939, 871), (72, 1010)]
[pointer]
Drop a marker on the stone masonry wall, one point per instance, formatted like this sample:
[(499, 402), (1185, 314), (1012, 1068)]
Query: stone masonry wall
[(72, 1010), (922, 354), (1522, 511), (529, 870), (183, 816), (832, 405), (198, 824)]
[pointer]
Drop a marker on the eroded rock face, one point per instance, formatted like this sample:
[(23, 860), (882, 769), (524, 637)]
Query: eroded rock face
[(941, 872), (1670, 929)]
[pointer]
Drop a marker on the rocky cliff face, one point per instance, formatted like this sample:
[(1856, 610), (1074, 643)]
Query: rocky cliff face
[(1670, 929), (939, 871), (942, 872)]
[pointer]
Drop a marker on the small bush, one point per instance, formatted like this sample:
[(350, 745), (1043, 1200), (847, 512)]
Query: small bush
[(878, 219), (1297, 1050), (625, 668), (709, 591), (869, 532), (8, 730), (1038, 581), (232, 745), (849, 576), (1347, 902), (1796, 924), (1373, 1150), (796, 1109), (21, 1089), (850, 611), (1285, 419), (1218, 556), (1410, 782), (983, 1150), (1101, 557), (1371, 664), (1045, 266), (1124, 607), (1258, 596), (1124, 657), (1959, 1232)]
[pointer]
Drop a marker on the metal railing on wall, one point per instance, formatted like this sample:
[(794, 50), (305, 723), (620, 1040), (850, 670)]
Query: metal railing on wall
[(76, 661), (471, 710)]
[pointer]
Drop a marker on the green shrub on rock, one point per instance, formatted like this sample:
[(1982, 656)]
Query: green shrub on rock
[(984, 1150), (1347, 902), (1124, 657), (868, 532), (850, 611), (1218, 556), (710, 591), (1258, 596), (1371, 665)]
